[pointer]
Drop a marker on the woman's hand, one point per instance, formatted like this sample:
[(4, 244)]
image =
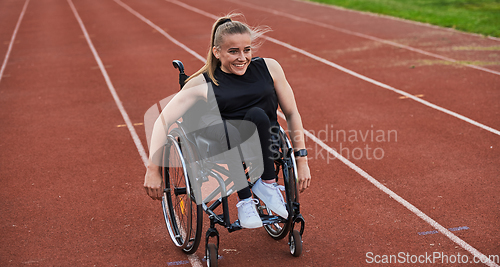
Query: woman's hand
[(304, 174), (153, 183)]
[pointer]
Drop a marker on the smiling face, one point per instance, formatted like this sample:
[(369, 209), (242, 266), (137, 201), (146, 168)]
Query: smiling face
[(235, 53)]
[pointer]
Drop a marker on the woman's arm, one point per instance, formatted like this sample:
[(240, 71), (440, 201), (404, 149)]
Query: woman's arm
[(287, 103), (196, 89)]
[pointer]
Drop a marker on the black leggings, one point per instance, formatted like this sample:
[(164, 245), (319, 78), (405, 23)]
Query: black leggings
[(237, 132)]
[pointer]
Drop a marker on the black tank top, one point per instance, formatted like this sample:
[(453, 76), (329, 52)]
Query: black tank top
[(236, 94)]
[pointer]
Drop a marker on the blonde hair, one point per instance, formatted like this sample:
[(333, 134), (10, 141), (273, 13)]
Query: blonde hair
[(222, 27)]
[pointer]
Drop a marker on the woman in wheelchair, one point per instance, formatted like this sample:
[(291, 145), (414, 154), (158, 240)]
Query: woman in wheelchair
[(244, 89)]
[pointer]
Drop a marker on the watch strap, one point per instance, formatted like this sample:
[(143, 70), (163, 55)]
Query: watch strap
[(300, 153)]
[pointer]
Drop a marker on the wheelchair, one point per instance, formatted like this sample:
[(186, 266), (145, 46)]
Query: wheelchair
[(184, 217)]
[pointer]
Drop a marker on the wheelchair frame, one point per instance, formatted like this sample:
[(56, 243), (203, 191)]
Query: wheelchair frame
[(183, 216)]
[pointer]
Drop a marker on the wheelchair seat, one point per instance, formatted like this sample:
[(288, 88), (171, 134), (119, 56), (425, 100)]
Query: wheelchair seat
[(207, 147)]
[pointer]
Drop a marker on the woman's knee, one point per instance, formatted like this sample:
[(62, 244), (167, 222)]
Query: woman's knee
[(258, 116), (233, 134)]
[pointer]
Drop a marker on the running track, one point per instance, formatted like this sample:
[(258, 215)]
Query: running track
[(72, 170)]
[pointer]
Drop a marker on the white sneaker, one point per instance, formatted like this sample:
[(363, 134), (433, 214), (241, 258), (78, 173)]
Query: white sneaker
[(271, 196), (247, 213)]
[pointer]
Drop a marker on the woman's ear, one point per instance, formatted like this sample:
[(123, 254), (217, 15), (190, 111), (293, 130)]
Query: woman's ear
[(215, 51)]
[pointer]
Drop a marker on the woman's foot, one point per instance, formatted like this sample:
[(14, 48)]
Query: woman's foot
[(270, 194), (247, 213)]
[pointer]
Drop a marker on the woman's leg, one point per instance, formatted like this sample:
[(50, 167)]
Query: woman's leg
[(266, 189), (238, 132), (263, 124), (230, 139), (220, 133)]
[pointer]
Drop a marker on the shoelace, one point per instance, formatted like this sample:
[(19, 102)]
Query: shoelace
[(280, 188), (248, 209)]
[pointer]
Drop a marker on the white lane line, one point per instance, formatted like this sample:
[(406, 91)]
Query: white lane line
[(9, 49), (386, 190), (193, 258), (160, 30), (118, 102), (350, 72), (362, 35)]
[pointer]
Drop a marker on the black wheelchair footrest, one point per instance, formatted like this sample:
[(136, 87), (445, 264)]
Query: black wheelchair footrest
[(271, 219), (266, 220), (234, 226)]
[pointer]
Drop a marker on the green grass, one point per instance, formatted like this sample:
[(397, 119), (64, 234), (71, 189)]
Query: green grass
[(477, 16)]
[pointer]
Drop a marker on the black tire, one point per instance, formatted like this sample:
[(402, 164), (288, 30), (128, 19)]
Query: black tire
[(183, 217), (288, 178), (295, 243), (212, 255)]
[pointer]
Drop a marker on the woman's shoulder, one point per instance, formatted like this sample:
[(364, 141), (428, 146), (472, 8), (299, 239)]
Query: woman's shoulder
[(265, 60), (196, 81), (274, 67), (197, 86)]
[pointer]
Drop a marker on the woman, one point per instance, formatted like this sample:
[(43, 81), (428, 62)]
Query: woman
[(244, 89)]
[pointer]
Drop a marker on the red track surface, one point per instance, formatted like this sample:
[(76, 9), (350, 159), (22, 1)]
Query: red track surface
[(72, 177)]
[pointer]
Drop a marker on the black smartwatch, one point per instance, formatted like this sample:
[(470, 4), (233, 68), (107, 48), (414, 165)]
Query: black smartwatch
[(300, 153)]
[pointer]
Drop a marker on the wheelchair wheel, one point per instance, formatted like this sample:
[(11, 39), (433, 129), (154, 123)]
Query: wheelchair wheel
[(287, 176), (295, 242), (212, 255), (182, 216)]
